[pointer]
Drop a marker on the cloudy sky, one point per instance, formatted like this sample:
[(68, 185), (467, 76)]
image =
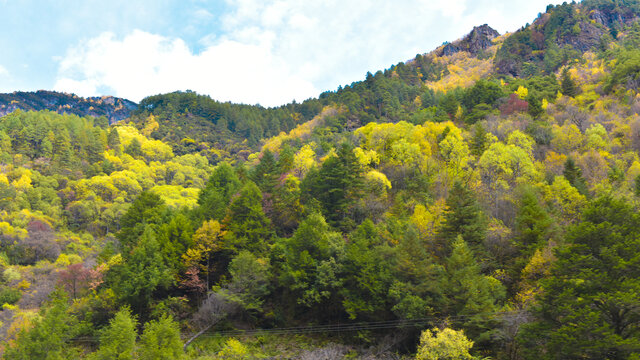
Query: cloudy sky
[(249, 51)]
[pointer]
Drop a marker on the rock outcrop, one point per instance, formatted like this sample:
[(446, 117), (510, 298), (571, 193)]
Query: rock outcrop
[(477, 40)]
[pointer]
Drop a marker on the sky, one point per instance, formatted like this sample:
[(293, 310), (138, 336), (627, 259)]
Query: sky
[(244, 51)]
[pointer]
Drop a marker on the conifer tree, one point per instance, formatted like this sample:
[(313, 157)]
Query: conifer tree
[(161, 340), (532, 223), (463, 217), (470, 293), (573, 174), (113, 140), (118, 339), (567, 84), (248, 226)]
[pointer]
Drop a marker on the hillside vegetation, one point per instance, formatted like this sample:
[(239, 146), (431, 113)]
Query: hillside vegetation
[(479, 201)]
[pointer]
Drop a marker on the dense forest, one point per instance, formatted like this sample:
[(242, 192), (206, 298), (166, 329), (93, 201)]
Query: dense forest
[(476, 202)]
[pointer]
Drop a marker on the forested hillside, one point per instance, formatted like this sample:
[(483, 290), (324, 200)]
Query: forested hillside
[(108, 107), (476, 202)]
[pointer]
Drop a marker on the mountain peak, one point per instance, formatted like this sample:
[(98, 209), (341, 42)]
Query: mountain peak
[(477, 40)]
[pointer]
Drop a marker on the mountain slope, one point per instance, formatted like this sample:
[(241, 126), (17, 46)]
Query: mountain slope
[(113, 108)]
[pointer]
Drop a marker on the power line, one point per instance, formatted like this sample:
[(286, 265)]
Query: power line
[(377, 325), (341, 327)]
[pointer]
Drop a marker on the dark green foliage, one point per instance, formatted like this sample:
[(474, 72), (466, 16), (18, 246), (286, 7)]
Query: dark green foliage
[(626, 70), (588, 307), (250, 281), (147, 209), (142, 273), (449, 104), (482, 92), (573, 174), (367, 274), (309, 266), (416, 289), (265, 174), (567, 84), (113, 140), (636, 186), (479, 142), (249, 228), (336, 186), (161, 340), (470, 293), (175, 238), (215, 197), (479, 112), (118, 339), (533, 224), (463, 217), (9, 295), (49, 338), (134, 148)]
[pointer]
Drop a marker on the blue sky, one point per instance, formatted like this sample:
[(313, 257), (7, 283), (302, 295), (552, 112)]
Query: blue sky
[(250, 51)]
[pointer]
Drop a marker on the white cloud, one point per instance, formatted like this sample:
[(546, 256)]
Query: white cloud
[(271, 52), (144, 64), (3, 71)]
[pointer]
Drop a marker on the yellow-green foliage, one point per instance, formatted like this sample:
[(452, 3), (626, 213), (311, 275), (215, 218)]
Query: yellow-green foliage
[(444, 344)]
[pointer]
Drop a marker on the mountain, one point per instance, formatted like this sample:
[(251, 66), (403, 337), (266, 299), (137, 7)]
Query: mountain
[(113, 108), (481, 200)]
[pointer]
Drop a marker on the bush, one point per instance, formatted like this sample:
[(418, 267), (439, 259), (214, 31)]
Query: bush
[(9, 296)]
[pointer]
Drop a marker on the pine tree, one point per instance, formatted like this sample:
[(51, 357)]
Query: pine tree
[(118, 339), (532, 223), (161, 340), (113, 140), (337, 185), (265, 174), (215, 197), (567, 84), (50, 336), (588, 305), (470, 293), (573, 174), (478, 141), (248, 226), (463, 217)]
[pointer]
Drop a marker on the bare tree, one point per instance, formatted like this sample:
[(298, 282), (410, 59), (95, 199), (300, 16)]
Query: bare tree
[(213, 309)]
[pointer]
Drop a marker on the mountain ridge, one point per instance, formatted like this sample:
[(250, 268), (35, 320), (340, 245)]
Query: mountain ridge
[(111, 107)]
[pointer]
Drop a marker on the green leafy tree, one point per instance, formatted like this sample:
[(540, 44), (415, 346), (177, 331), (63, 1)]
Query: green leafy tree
[(444, 344), (142, 273), (250, 281), (309, 264), (215, 197), (416, 291), (588, 306), (533, 224), (113, 140), (248, 227), (146, 210), (573, 174), (175, 238), (118, 339), (367, 274), (567, 84), (463, 217), (479, 142), (336, 185), (50, 336), (266, 173), (470, 293), (161, 340)]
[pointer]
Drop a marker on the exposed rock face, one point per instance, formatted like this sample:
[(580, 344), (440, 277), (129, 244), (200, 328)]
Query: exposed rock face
[(477, 40), (114, 109)]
